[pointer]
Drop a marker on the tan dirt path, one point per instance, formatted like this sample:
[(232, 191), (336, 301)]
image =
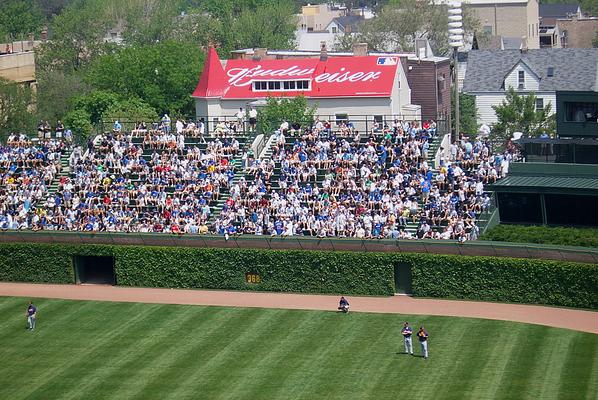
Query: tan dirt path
[(580, 320)]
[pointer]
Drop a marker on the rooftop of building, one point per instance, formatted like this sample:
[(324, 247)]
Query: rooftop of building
[(572, 69)]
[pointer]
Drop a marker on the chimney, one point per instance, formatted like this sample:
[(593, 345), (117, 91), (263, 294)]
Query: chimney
[(259, 53), (360, 49), (323, 52), (524, 44), (421, 48)]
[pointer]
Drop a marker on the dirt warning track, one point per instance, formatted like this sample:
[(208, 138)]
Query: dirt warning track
[(580, 320)]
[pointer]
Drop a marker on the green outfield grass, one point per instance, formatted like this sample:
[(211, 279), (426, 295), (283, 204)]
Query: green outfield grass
[(101, 350)]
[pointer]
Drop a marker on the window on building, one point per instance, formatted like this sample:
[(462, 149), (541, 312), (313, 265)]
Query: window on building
[(564, 36), (334, 29), (259, 85), (441, 83), (550, 72), (539, 104), (302, 85), (521, 80), (581, 112), (273, 86)]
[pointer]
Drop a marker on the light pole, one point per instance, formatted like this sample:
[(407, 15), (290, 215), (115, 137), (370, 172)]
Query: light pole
[(455, 31)]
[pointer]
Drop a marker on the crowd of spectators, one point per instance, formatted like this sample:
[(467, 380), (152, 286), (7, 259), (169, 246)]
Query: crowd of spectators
[(26, 170), (340, 183), (322, 181), (114, 186)]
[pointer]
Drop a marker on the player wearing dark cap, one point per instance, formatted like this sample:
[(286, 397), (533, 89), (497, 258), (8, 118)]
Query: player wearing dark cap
[(407, 332)]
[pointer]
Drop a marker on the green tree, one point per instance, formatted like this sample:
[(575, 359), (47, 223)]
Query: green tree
[(55, 92), (148, 21), (78, 37), (129, 112), (19, 18), (468, 117), (231, 24), (401, 22), (95, 104), (518, 113), (78, 120), (294, 111), (52, 7), (162, 75), (15, 103), (271, 25)]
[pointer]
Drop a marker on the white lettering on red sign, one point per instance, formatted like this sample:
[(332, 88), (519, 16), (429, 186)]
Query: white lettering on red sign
[(244, 76)]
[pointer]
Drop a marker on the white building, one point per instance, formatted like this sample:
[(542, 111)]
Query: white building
[(340, 87), (490, 73)]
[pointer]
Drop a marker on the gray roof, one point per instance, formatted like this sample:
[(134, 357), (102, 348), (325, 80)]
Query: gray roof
[(510, 43), (574, 69), (349, 20), (557, 10)]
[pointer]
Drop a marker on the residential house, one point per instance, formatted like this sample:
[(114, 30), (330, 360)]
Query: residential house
[(565, 25), (490, 73), (346, 24), (316, 17)]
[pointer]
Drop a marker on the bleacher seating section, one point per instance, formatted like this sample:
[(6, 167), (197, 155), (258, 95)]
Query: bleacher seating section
[(329, 182)]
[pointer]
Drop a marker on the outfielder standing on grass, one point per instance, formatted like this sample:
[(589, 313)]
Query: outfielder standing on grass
[(31, 314), (407, 332), (422, 335)]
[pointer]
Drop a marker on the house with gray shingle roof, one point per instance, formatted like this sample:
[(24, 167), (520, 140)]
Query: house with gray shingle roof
[(490, 73)]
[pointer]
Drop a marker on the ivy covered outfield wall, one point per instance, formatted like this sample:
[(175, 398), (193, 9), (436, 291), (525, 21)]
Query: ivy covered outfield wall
[(353, 273)]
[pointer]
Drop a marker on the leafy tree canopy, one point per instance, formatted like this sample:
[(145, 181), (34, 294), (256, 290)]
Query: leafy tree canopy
[(96, 103), (15, 101), (518, 113), (162, 75), (292, 110), (55, 92), (468, 117), (19, 18), (78, 120), (130, 111), (401, 22)]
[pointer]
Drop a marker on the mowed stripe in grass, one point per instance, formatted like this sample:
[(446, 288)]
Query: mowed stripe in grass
[(101, 350)]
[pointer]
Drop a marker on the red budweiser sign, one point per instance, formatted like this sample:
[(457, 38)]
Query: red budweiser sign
[(369, 76)]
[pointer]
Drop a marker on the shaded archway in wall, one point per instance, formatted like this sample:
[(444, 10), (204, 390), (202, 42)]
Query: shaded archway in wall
[(96, 270), (403, 278)]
